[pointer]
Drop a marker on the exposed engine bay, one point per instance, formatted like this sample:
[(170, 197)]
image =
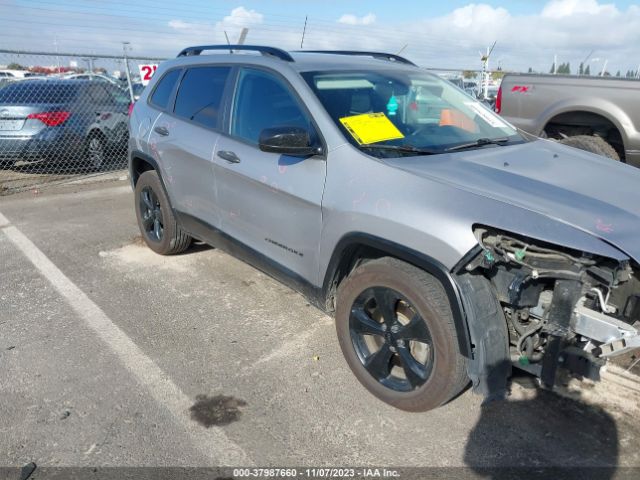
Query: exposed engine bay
[(562, 307)]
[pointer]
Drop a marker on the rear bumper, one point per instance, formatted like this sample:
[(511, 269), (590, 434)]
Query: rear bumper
[(41, 147)]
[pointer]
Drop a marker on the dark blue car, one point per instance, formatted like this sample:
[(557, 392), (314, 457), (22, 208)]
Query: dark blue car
[(65, 121)]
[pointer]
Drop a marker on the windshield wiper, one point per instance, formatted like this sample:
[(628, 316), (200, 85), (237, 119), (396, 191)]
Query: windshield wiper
[(401, 148), (479, 143)]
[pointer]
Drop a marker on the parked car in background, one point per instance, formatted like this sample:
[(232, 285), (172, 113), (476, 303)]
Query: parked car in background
[(138, 88), (93, 77), (63, 121), (597, 114), (9, 73)]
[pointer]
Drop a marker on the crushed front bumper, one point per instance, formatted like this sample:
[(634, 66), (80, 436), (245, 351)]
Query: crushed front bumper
[(614, 337)]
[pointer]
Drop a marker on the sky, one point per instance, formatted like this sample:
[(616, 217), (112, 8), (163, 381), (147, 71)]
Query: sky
[(438, 34)]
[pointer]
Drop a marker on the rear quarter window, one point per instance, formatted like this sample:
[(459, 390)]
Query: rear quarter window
[(162, 93)]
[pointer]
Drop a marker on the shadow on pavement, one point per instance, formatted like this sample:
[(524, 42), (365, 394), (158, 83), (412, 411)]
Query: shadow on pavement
[(543, 436)]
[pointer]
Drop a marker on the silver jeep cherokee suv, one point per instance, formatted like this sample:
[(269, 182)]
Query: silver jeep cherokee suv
[(449, 246)]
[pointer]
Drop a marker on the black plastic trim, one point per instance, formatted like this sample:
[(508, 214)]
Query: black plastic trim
[(421, 260), (217, 238), (151, 161)]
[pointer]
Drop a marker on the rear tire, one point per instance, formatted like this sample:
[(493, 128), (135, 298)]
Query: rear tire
[(372, 345), (96, 152), (593, 144), (156, 221), (6, 164)]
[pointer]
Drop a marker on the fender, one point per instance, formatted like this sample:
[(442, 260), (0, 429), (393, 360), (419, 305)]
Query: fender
[(355, 240), (597, 106)]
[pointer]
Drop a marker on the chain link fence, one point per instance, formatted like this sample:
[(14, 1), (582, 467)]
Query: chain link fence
[(64, 116)]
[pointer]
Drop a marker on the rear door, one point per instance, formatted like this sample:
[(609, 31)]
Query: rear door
[(270, 202), (184, 137)]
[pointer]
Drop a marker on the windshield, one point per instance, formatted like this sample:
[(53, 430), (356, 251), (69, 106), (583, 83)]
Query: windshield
[(395, 108)]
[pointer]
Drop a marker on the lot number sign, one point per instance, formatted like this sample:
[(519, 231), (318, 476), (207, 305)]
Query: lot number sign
[(146, 72)]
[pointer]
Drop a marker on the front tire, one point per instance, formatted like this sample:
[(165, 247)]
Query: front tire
[(156, 221), (396, 331), (593, 144)]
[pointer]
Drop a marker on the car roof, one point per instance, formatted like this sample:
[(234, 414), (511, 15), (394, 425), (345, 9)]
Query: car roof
[(51, 81)]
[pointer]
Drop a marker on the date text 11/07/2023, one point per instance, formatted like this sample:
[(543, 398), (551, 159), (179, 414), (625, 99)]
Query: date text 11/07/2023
[(277, 473)]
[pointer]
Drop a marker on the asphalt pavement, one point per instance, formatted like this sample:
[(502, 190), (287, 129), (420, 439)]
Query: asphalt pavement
[(111, 355)]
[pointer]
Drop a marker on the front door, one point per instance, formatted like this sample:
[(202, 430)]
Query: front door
[(270, 202)]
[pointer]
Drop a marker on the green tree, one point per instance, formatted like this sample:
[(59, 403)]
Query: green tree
[(16, 66), (581, 69), (618, 74), (587, 70), (467, 74), (553, 68), (530, 70)]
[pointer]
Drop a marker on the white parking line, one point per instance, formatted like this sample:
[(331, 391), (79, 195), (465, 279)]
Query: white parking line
[(212, 442)]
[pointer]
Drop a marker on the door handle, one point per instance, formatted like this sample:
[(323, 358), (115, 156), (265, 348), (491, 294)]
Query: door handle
[(229, 156), (161, 131)]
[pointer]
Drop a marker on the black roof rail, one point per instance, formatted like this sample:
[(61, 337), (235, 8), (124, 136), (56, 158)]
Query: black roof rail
[(272, 51), (380, 55)]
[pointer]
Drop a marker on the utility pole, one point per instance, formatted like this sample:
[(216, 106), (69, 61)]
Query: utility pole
[(125, 46), (485, 71), (55, 42), (555, 64), (89, 61)]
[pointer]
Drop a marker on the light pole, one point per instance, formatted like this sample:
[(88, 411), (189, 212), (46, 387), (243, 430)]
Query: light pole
[(89, 61), (125, 46)]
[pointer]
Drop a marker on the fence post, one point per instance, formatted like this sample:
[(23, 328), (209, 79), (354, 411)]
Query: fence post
[(126, 69)]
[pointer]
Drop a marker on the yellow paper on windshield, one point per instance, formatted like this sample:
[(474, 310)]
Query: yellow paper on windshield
[(371, 128)]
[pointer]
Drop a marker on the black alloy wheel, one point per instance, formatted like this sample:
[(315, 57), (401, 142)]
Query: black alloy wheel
[(152, 220), (391, 339)]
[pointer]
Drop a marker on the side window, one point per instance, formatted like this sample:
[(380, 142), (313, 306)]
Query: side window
[(264, 101), (200, 94), (99, 94), (162, 93), (118, 95)]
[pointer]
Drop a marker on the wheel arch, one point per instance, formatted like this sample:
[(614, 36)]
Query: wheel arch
[(357, 247), (96, 132), (139, 163), (608, 113)]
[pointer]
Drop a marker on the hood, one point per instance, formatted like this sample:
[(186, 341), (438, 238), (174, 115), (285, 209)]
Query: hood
[(586, 191)]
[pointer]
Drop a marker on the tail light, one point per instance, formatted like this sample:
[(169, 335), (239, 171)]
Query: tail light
[(131, 105), (498, 106), (51, 119)]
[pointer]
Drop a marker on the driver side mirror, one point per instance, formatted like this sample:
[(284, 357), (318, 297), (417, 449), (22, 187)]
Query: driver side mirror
[(294, 141)]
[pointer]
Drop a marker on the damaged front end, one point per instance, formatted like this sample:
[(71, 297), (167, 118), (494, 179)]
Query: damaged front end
[(562, 308)]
